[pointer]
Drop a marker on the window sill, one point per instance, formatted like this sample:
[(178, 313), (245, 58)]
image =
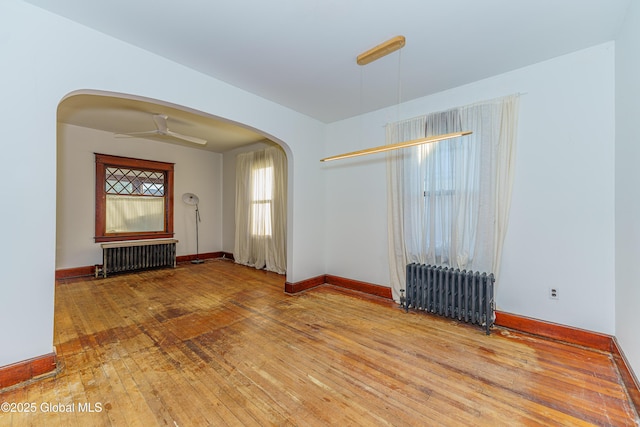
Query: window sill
[(136, 236)]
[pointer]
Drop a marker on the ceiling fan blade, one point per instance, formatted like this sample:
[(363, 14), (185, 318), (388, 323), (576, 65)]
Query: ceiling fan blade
[(162, 131), (187, 138), (138, 134)]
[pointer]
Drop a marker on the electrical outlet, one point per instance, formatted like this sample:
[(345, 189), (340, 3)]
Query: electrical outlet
[(553, 293)]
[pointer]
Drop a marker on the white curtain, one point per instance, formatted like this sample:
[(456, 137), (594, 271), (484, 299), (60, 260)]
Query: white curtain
[(261, 208), (448, 202)]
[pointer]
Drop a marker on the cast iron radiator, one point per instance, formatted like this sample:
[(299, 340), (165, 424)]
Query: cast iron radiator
[(460, 294), (118, 257)]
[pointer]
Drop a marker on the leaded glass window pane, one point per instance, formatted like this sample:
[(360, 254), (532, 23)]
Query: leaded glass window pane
[(134, 182)]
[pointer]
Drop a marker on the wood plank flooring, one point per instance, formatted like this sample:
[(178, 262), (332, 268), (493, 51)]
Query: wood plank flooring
[(221, 344)]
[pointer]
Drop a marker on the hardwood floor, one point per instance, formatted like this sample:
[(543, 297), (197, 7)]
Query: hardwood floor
[(221, 344)]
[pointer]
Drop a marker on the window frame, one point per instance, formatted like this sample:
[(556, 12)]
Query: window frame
[(103, 161)]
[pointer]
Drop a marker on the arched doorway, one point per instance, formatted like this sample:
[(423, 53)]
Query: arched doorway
[(110, 123)]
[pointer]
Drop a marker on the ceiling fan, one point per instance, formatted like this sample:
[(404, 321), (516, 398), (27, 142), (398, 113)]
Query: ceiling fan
[(163, 130)]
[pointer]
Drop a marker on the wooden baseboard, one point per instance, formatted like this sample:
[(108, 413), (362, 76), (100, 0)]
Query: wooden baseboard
[(356, 285), (294, 288), (626, 373), (555, 331), (27, 370), (67, 273), (208, 255)]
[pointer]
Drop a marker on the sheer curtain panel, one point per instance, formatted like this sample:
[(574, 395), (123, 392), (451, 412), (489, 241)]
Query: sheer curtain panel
[(448, 202), (261, 208)]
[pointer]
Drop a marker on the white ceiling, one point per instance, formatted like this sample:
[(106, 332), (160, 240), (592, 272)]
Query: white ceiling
[(301, 53)]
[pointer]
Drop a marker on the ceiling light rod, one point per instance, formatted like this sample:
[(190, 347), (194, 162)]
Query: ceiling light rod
[(398, 145), (381, 50)]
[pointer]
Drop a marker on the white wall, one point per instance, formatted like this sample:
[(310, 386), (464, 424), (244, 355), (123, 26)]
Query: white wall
[(46, 57), (561, 231), (196, 171), (356, 202), (627, 184)]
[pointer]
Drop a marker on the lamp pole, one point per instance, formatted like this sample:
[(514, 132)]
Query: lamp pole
[(197, 260)]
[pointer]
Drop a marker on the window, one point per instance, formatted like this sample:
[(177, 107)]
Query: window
[(261, 209), (448, 202), (262, 195), (449, 191), (134, 199)]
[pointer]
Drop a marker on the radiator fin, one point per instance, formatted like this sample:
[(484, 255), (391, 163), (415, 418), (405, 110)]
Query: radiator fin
[(460, 294)]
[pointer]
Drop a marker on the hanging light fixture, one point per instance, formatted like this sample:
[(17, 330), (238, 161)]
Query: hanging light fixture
[(384, 49), (397, 146)]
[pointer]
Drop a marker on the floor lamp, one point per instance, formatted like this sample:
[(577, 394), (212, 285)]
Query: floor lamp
[(193, 200)]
